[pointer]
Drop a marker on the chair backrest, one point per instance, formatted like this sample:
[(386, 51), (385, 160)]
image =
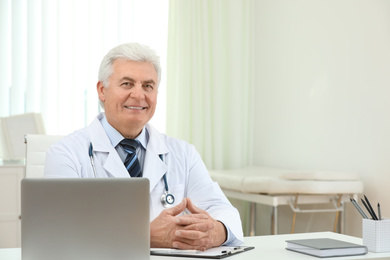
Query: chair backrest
[(36, 147), (12, 131)]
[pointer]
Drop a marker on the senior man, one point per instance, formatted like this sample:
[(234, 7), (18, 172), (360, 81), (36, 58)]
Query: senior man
[(194, 214)]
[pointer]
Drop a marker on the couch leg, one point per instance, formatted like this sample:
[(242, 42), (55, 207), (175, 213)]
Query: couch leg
[(252, 218), (337, 213), (294, 214)]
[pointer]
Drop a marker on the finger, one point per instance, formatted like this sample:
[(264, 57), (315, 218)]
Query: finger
[(193, 234), (190, 234), (189, 245), (203, 226), (192, 219), (174, 211)]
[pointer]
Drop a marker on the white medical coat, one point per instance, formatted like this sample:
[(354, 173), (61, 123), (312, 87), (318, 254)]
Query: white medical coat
[(186, 173)]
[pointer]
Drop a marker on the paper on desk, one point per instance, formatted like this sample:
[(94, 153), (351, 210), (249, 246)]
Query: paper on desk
[(212, 252)]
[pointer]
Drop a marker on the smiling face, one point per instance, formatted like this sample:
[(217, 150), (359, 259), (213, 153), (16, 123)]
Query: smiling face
[(130, 98)]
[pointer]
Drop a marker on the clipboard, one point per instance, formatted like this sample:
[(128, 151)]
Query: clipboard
[(212, 253)]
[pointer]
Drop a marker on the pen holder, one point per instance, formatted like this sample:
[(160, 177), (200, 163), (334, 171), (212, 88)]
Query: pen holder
[(376, 235)]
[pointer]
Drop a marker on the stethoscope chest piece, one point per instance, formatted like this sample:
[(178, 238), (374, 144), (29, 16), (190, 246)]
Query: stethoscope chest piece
[(167, 199)]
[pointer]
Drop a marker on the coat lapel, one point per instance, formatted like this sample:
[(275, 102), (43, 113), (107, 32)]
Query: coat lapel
[(105, 153), (154, 167)]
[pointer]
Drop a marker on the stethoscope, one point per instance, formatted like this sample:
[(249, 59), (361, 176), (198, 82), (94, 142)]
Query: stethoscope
[(167, 199)]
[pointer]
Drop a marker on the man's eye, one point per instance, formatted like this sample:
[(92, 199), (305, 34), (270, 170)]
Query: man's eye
[(126, 84)]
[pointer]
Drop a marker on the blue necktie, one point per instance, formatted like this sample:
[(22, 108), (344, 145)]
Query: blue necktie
[(131, 161)]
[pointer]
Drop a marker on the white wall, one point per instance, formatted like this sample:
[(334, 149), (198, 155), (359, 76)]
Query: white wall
[(323, 93)]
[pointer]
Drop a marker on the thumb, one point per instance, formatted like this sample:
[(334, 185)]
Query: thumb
[(179, 208), (192, 208)]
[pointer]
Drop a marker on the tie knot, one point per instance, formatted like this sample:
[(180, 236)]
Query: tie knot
[(129, 144)]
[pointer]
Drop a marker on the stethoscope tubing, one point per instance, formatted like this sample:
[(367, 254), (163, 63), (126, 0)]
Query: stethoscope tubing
[(90, 152), (165, 176)]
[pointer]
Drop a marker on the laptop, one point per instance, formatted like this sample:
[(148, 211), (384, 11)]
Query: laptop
[(95, 219)]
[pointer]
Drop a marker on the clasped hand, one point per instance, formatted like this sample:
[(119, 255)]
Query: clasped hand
[(197, 230)]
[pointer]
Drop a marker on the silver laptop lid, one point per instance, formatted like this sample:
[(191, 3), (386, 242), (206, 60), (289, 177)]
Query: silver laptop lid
[(95, 219)]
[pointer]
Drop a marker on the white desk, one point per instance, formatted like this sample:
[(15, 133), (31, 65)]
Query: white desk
[(271, 247)]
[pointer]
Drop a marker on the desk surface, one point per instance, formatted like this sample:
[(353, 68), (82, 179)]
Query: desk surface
[(273, 247)]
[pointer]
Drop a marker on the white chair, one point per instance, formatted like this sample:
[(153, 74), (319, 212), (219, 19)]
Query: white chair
[(36, 147), (12, 131)]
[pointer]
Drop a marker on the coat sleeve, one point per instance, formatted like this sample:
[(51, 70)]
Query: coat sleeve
[(207, 195)]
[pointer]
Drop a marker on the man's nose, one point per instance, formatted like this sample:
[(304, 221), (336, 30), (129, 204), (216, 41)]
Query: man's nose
[(137, 92)]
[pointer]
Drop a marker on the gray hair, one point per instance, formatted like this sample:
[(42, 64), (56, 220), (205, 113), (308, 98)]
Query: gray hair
[(128, 51)]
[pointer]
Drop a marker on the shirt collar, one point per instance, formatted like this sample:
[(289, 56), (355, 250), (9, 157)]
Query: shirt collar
[(115, 137)]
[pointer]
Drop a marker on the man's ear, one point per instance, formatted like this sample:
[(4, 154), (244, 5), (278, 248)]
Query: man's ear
[(101, 90)]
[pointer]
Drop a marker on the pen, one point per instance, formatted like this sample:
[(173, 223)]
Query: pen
[(379, 211), (358, 208), (372, 210), (229, 249), (236, 251), (368, 209)]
